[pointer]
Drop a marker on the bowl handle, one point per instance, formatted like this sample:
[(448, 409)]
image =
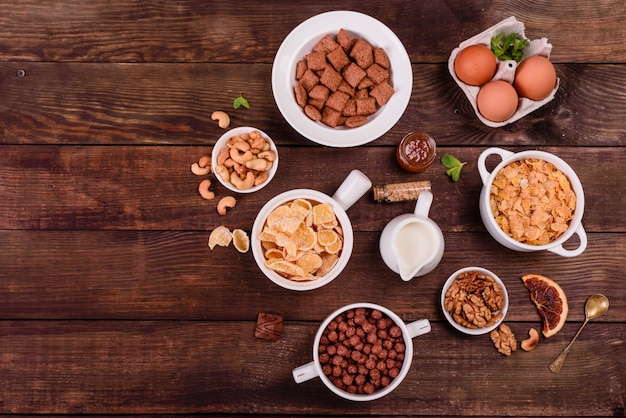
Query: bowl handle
[(353, 187), (582, 235), (482, 169), (304, 372), (419, 327)]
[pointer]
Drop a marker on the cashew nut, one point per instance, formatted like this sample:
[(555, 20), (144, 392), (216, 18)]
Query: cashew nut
[(200, 171), (257, 143), (222, 118), (224, 203), (242, 184), (268, 155), (261, 178), (240, 157), (205, 161), (532, 341), (223, 155), (203, 188), (222, 171), (259, 164)]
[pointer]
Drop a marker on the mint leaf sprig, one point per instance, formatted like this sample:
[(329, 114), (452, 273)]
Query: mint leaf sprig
[(509, 47), (453, 165), (241, 101)]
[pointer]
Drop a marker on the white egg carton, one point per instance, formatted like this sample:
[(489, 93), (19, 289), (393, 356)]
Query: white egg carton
[(505, 69)]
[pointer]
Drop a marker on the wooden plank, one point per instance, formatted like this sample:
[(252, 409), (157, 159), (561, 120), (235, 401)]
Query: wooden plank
[(199, 31), (174, 275), (114, 104), (146, 187), (128, 367)]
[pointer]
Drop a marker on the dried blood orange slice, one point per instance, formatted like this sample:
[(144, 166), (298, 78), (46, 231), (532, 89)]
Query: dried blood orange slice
[(550, 300)]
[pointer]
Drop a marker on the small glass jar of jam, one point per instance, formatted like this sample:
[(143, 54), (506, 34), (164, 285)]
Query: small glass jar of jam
[(416, 152)]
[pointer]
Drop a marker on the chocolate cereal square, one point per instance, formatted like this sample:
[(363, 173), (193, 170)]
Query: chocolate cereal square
[(316, 60), (312, 112), (317, 103), (381, 58), (309, 80), (343, 39), (363, 53), (377, 73), (337, 100), (346, 88), (301, 96), (355, 121), (319, 92), (365, 83), (365, 107), (353, 74), (300, 69), (331, 117), (326, 44), (349, 109), (362, 94), (338, 59), (382, 92), (331, 78)]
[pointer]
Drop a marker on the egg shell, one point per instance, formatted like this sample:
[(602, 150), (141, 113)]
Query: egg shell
[(535, 77), (505, 69), (475, 64), (497, 100)]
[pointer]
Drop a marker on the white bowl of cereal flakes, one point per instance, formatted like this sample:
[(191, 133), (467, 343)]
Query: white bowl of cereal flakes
[(302, 239), (342, 79), (532, 201), (482, 291)]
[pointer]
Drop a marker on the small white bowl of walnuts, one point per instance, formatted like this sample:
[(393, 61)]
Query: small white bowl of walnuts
[(244, 159), (474, 300)]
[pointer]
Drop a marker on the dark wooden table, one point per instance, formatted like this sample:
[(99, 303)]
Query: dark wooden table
[(112, 303)]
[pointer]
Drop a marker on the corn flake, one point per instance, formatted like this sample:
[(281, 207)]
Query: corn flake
[(241, 240), (532, 201), (220, 236), (291, 240)]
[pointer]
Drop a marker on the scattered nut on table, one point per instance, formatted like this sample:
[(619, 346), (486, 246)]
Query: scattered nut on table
[(504, 339), (222, 118), (531, 342)]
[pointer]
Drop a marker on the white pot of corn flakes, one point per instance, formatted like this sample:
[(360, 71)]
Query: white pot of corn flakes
[(532, 201), (302, 239)]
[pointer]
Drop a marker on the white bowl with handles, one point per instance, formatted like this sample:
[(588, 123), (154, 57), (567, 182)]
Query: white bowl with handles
[(575, 224), (409, 331)]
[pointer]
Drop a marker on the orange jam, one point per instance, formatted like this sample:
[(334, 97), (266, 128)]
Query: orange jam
[(416, 152)]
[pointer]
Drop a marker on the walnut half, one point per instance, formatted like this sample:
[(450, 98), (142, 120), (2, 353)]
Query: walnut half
[(504, 340)]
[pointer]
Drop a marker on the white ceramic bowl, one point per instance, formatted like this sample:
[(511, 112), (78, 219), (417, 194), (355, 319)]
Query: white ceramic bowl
[(223, 140), (300, 42), (409, 331), (466, 330), (312, 195), (575, 225)]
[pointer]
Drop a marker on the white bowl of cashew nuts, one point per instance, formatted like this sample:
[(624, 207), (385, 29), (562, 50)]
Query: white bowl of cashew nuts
[(244, 159)]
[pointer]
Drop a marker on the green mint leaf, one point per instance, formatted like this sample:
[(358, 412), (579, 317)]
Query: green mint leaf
[(241, 101), (511, 47), (449, 161)]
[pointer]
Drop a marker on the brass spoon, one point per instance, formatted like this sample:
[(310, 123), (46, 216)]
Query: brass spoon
[(596, 306)]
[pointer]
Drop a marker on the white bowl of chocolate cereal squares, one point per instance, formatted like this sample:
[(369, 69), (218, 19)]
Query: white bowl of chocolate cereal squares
[(474, 300), (342, 79)]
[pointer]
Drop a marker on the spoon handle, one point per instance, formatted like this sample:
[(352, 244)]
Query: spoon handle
[(556, 365)]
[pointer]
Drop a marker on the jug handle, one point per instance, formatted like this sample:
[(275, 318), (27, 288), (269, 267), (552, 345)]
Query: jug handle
[(582, 236), (422, 207), (482, 169)]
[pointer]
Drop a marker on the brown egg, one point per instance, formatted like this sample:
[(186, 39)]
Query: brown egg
[(497, 101), (475, 65), (535, 78)]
